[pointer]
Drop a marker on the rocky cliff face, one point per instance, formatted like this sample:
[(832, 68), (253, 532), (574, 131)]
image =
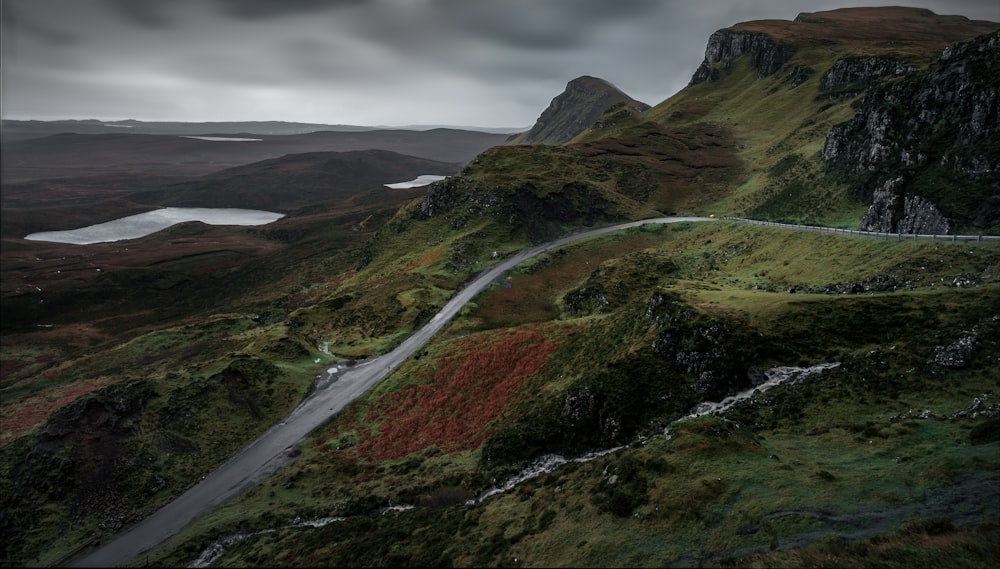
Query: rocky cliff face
[(575, 110), (892, 211), (850, 75), (923, 150), (767, 55)]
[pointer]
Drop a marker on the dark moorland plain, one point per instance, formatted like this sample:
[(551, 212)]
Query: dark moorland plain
[(74, 155), (564, 417)]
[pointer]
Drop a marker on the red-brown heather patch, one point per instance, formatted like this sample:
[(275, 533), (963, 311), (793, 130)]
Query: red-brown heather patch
[(14, 371), (78, 334), (691, 164), (75, 336), (7, 367), (36, 267), (529, 298), (17, 419), (453, 405)]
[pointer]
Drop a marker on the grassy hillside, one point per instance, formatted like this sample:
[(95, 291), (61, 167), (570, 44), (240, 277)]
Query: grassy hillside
[(545, 364), (780, 134), (778, 124), (553, 422), (604, 343)]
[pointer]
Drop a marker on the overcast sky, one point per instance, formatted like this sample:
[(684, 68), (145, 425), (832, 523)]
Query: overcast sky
[(490, 63)]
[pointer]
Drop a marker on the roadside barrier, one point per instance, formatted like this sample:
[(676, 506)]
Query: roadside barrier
[(875, 234)]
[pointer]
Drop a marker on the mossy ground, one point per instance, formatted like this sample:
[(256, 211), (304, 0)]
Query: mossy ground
[(802, 465), (799, 447)]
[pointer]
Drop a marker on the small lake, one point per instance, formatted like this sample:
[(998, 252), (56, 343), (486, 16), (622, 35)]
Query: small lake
[(224, 138), (140, 225), (416, 182)]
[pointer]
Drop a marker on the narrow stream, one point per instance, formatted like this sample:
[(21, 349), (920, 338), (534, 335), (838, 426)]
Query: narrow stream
[(221, 546), (775, 376)]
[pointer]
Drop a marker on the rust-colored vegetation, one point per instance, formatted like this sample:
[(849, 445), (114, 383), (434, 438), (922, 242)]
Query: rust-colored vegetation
[(531, 297), (669, 169), (19, 418), (453, 403)]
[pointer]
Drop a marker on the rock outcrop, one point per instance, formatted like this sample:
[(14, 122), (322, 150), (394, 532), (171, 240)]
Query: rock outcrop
[(575, 110), (850, 75), (923, 151), (892, 211), (767, 55), (705, 347), (959, 353)]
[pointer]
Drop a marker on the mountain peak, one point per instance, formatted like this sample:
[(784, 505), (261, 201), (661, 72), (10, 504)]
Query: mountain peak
[(574, 110), (585, 81)]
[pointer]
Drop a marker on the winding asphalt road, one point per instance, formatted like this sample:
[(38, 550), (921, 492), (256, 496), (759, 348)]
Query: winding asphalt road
[(333, 392)]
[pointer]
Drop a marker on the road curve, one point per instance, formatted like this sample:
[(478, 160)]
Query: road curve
[(269, 452)]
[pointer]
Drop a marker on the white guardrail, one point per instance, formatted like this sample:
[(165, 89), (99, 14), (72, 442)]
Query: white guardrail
[(875, 234)]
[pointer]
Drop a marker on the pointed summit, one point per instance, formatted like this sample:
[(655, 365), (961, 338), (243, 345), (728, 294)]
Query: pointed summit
[(574, 111)]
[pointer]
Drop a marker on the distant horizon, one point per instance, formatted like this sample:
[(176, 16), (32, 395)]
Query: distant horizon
[(411, 126)]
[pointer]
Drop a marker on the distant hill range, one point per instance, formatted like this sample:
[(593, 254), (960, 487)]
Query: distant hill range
[(575, 110), (76, 155), (296, 180), (287, 184), (22, 129)]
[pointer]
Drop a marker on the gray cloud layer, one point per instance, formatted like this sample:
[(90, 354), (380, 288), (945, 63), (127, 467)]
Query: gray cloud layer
[(460, 62)]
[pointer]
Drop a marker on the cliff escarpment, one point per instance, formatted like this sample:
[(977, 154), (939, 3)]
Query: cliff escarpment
[(923, 149), (878, 118), (725, 46), (850, 75)]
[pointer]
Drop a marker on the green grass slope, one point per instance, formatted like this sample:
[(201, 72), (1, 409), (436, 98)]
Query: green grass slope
[(609, 343), (779, 122)]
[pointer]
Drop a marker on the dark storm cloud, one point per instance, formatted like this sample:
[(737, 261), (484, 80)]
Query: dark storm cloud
[(529, 24), (14, 24), (260, 9), (463, 62), (147, 13)]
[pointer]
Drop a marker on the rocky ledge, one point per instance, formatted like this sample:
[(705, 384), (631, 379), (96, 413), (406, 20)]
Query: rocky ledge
[(923, 151)]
